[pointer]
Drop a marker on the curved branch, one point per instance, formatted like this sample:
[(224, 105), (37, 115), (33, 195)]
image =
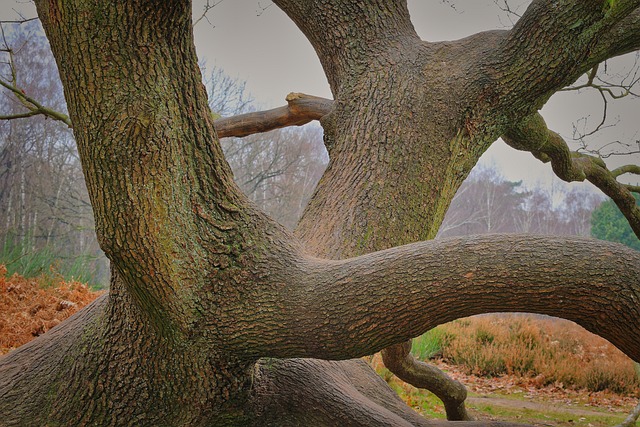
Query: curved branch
[(533, 135), (300, 110), (634, 169), (351, 308), (523, 65), (398, 359)]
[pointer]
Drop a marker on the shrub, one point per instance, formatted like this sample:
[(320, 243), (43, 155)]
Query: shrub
[(553, 351)]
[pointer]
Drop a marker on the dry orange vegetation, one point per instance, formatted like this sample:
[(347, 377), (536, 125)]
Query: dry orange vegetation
[(549, 351), (28, 310)]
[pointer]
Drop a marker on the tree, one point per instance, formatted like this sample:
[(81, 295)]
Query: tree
[(607, 223), (216, 315)]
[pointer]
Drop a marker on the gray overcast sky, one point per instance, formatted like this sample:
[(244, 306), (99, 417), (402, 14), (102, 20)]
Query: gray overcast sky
[(254, 41)]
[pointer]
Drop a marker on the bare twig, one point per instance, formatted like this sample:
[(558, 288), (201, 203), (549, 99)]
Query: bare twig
[(209, 4), (261, 8), (609, 87), (504, 6), (34, 107), (19, 21)]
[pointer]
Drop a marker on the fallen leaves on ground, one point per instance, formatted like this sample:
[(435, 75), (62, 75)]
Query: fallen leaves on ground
[(28, 310)]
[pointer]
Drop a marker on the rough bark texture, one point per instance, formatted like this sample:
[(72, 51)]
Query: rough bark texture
[(204, 286)]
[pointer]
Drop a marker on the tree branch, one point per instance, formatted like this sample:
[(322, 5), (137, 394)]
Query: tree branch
[(533, 135), (631, 420), (355, 307), (209, 4), (633, 188), (624, 37), (34, 107), (635, 169), (524, 67), (398, 359), (346, 35), (300, 110)]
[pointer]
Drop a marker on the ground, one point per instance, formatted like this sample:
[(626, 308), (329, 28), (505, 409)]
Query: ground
[(519, 399)]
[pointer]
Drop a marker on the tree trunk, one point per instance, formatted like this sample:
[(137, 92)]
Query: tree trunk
[(204, 286), (168, 216)]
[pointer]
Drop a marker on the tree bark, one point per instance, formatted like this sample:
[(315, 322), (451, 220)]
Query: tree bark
[(398, 198), (453, 394), (203, 284), (301, 109)]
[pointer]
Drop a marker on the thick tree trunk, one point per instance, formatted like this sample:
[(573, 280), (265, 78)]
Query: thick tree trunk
[(108, 366), (176, 229), (204, 285), (404, 134)]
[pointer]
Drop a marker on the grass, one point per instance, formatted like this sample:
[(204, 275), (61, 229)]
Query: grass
[(516, 407), (526, 369), (430, 345), (46, 261), (546, 417)]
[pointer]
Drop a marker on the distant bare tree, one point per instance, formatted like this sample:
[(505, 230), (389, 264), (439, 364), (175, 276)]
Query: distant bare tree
[(43, 197), (278, 170), (489, 203)]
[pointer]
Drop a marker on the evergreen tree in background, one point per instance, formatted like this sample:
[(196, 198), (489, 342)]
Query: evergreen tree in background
[(608, 223)]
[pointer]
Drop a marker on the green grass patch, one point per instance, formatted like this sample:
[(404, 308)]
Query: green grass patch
[(47, 262)]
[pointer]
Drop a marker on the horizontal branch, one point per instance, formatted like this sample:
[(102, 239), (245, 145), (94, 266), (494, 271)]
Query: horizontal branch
[(34, 107), (19, 115), (300, 110), (533, 135), (350, 308)]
